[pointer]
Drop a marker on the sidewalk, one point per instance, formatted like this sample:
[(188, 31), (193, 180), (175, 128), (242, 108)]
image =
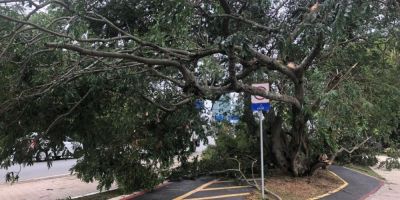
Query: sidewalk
[(46, 189), (391, 189)]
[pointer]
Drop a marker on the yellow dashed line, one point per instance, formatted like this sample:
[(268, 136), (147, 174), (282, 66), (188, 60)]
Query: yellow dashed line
[(225, 188), (332, 191), (195, 190), (221, 196)]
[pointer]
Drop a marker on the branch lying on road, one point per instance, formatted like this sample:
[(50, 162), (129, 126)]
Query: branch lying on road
[(244, 178), (347, 150), (325, 162)]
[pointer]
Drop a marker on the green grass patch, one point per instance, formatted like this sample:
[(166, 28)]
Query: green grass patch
[(365, 170)]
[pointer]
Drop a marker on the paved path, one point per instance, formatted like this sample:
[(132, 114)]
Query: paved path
[(391, 189), (47, 189), (360, 186), (199, 189)]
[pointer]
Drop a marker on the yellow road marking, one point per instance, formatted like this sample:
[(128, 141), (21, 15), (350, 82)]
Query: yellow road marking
[(221, 196), (332, 191), (225, 188), (195, 190)]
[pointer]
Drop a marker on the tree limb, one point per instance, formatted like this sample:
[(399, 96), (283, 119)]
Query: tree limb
[(273, 96), (273, 64), (247, 21), (332, 159), (67, 113), (314, 53), (149, 61)]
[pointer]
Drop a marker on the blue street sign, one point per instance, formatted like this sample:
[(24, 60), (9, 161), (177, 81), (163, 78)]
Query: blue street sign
[(219, 117), (234, 119), (260, 106), (199, 104)]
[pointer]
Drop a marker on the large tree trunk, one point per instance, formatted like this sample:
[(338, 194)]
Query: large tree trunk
[(279, 143), (300, 158), (299, 155), (290, 150), (294, 155)]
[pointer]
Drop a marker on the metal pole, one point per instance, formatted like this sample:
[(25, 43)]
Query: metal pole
[(262, 154)]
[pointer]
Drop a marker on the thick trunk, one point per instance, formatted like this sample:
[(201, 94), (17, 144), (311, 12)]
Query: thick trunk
[(279, 144), (290, 150), (299, 155), (298, 145)]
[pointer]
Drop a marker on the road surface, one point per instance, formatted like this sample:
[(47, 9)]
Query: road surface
[(40, 170)]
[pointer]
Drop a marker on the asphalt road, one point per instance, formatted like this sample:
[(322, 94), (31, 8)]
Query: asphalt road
[(40, 170), (360, 186)]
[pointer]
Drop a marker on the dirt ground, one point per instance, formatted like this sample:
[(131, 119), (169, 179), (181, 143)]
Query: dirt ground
[(291, 188)]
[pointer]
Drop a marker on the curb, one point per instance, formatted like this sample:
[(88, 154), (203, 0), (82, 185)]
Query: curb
[(345, 183), (89, 194), (381, 183), (140, 193)]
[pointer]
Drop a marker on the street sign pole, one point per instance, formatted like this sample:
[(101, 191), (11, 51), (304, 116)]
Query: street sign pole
[(258, 104), (260, 114)]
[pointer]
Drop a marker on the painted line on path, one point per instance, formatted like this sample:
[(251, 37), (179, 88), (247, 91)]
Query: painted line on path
[(196, 190), (221, 196), (345, 183), (225, 188)]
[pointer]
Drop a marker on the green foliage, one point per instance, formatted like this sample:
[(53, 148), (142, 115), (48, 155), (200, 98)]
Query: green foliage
[(364, 103), (390, 163), (233, 145), (351, 88)]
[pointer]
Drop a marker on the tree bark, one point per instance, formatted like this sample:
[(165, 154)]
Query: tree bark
[(279, 145)]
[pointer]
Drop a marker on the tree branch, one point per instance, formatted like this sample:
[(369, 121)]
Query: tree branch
[(273, 96), (331, 86), (314, 53), (225, 6), (149, 61), (273, 64), (347, 150), (67, 113), (174, 106), (247, 21)]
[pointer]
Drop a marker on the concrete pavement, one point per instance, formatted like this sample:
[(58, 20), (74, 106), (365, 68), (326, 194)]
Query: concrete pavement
[(391, 189), (47, 189)]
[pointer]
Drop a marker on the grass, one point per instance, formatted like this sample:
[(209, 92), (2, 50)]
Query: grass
[(299, 188), (365, 170), (102, 195)]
